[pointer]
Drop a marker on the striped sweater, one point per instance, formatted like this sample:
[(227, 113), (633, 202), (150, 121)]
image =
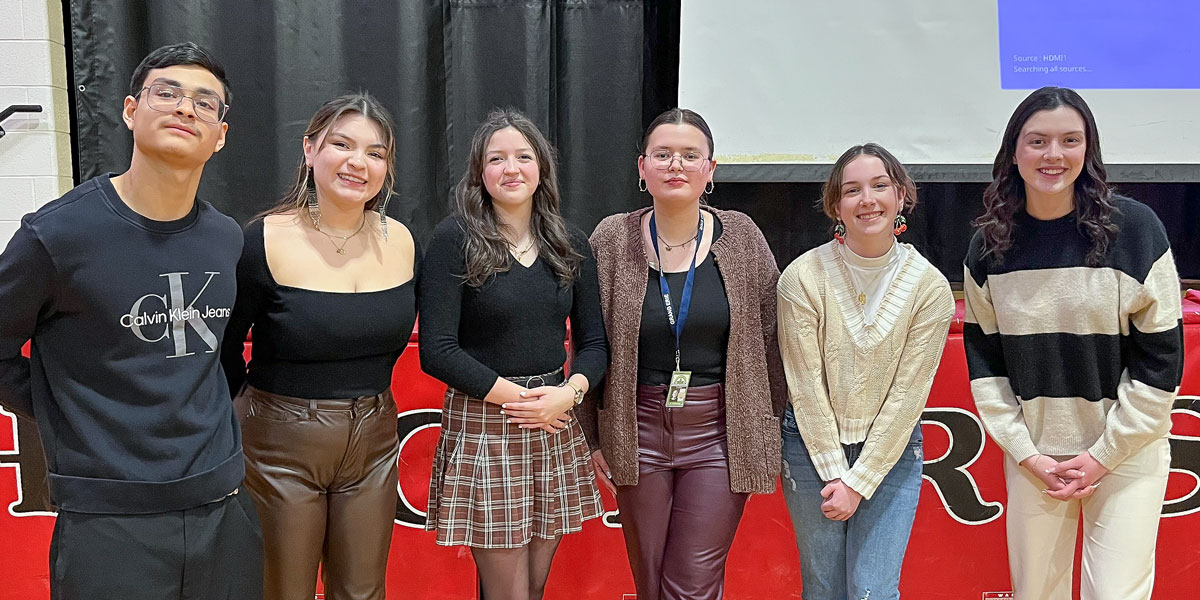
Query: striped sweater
[(1065, 358), (851, 381)]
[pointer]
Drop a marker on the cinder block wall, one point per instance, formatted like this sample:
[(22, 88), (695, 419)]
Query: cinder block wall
[(35, 154)]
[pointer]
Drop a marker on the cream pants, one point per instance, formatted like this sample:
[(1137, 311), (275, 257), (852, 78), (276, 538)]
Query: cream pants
[(1120, 528)]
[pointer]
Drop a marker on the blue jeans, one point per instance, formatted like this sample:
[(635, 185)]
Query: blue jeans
[(861, 557)]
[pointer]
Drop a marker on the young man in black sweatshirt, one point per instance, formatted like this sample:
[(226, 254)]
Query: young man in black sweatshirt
[(124, 285)]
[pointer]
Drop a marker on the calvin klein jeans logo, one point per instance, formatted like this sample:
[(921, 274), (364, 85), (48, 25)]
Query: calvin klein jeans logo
[(175, 316)]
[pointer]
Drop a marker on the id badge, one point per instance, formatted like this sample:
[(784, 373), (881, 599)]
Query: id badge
[(677, 392)]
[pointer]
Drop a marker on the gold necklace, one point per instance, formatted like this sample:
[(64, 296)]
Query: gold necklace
[(345, 238), (521, 253), (862, 296)]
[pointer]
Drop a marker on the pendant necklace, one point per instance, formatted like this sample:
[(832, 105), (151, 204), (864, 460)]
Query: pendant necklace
[(670, 246), (521, 253), (341, 249)]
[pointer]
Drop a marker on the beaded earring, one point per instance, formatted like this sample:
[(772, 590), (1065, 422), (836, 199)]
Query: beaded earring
[(383, 215), (310, 200)]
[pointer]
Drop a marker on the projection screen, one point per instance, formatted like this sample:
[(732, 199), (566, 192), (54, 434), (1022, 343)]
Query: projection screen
[(788, 85)]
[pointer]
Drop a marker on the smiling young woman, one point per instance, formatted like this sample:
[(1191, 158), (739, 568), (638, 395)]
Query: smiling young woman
[(1075, 352), (505, 272), (318, 418), (862, 324)]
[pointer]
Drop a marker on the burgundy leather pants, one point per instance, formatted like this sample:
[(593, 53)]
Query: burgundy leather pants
[(680, 519)]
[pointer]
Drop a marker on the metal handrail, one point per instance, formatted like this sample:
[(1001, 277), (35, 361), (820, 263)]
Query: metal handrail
[(16, 108)]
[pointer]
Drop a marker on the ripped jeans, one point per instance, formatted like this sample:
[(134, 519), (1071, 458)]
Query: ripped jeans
[(857, 559)]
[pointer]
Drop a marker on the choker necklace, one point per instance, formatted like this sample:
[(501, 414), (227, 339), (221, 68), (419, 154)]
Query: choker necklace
[(341, 249), (670, 246)]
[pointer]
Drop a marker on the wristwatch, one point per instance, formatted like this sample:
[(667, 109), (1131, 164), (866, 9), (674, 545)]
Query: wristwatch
[(578, 391)]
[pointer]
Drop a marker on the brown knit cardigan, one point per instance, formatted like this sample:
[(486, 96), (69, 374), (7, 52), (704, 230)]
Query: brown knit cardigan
[(755, 388)]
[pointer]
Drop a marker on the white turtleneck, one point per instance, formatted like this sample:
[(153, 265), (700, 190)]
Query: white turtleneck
[(872, 276)]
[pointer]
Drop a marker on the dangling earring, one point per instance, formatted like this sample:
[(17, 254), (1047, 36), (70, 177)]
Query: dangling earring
[(314, 208), (641, 184), (839, 232), (900, 225), (709, 188), (383, 215)]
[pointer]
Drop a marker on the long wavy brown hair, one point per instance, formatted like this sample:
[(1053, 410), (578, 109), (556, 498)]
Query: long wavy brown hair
[(303, 184), (487, 250), (1094, 207)]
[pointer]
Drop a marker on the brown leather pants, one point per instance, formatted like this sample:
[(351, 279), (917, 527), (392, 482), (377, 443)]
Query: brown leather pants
[(323, 476), (680, 519)]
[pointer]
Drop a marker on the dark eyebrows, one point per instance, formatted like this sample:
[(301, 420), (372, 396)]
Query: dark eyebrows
[(885, 176), (343, 136), (685, 148), (172, 82), (525, 149), (1040, 134)]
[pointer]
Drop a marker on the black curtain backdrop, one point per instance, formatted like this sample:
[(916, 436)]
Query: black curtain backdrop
[(940, 227), (591, 73), (573, 66)]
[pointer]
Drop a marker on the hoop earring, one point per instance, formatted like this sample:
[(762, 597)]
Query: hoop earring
[(641, 184), (708, 189), (310, 200), (839, 232), (900, 225)]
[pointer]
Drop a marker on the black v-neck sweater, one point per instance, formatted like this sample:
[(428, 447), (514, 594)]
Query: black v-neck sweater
[(512, 325)]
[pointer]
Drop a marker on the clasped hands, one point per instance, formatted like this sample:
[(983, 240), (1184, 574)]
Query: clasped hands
[(544, 407), (840, 500), (1070, 479)]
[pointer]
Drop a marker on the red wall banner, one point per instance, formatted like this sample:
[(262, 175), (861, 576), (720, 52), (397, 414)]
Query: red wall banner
[(957, 550)]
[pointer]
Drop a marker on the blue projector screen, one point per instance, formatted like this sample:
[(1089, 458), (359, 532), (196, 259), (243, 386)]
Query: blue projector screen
[(1100, 44)]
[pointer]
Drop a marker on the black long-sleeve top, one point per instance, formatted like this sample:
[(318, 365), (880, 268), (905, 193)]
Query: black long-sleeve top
[(309, 343), (512, 325), (705, 333)]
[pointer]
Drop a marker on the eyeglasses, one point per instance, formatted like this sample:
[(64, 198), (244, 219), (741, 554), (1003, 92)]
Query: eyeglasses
[(690, 161), (166, 98)]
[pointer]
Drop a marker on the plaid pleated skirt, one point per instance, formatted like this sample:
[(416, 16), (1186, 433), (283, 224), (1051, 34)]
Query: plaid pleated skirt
[(495, 485)]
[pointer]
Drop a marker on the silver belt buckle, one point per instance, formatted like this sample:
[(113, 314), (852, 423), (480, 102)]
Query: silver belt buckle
[(541, 381)]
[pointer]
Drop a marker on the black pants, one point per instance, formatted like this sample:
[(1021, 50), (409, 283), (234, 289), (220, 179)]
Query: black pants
[(210, 552)]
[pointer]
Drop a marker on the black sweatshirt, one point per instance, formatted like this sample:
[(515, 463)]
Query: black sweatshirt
[(513, 325), (125, 314), (314, 344)]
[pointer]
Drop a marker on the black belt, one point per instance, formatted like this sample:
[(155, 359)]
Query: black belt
[(554, 377)]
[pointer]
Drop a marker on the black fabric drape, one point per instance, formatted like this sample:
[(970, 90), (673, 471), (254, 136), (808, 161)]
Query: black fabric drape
[(573, 66), (791, 218), (591, 73)]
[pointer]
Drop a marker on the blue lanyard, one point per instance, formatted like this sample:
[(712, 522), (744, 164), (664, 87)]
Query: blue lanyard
[(685, 300)]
